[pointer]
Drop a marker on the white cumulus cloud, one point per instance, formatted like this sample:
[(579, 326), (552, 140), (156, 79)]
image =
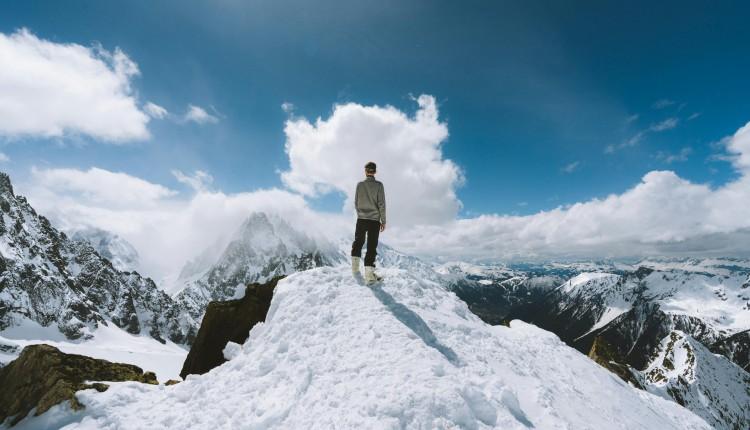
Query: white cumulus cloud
[(51, 89), (330, 154), (662, 215), (101, 187)]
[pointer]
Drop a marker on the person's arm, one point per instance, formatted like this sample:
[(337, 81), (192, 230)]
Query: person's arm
[(381, 206), (356, 198)]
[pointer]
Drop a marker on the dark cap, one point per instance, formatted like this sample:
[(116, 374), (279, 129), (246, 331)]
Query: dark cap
[(370, 167)]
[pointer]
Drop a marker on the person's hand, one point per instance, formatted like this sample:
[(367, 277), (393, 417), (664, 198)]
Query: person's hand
[(382, 227)]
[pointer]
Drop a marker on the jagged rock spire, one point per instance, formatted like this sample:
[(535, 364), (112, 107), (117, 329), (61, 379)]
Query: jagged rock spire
[(5, 185)]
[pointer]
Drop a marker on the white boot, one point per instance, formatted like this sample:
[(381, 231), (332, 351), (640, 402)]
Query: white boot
[(371, 276), (355, 265)]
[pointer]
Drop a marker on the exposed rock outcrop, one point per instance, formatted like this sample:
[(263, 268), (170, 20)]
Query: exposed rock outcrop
[(736, 348), (43, 376), (606, 356), (227, 321)]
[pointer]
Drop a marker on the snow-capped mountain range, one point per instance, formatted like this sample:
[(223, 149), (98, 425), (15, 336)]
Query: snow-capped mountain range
[(51, 280), (637, 311)]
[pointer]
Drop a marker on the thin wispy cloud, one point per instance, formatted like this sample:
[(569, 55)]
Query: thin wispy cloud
[(199, 181), (4, 158), (571, 167), (667, 124), (658, 127), (693, 116), (670, 158), (155, 111), (662, 103), (199, 115)]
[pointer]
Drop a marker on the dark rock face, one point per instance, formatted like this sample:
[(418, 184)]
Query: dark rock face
[(227, 321), (48, 278), (495, 303), (42, 377), (736, 348), (608, 357)]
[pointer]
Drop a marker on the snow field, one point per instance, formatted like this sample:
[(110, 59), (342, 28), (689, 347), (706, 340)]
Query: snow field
[(335, 354)]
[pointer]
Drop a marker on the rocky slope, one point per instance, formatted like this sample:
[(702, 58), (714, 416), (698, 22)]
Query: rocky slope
[(736, 348), (53, 281)]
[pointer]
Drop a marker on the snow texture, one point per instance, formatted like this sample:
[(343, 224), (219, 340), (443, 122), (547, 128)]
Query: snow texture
[(406, 353)]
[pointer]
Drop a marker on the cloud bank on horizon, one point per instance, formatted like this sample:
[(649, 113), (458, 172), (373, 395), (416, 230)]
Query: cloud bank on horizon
[(662, 214)]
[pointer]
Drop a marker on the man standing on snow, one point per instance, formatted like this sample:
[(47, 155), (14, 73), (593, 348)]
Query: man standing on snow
[(369, 200)]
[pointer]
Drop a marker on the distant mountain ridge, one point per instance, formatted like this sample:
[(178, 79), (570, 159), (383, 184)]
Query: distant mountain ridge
[(265, 246), (632, 312), (118, 251)]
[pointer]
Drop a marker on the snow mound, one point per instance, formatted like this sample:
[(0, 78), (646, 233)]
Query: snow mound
[(404, 354)]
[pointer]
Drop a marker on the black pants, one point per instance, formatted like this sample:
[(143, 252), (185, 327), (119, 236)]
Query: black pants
[(372, 229)]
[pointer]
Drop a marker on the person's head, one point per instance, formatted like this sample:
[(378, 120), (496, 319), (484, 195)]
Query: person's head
[(370, 169)]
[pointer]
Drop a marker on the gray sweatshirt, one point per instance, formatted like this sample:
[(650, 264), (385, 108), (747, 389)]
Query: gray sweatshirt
[(369, 199)]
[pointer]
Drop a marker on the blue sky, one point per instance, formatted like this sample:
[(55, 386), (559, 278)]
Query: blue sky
[(503, 130), (524, 89)]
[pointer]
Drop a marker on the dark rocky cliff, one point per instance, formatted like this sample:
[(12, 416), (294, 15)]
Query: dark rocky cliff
[(227, 321)]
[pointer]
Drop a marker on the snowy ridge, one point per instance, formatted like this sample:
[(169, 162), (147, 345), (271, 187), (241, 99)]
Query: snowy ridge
[(709, 385), (404, 354)]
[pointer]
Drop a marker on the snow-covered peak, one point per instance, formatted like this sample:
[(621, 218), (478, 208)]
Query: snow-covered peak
[(403, 354), (709, 385), (264, 246), (589, 282), (268, 233), (114, 248)]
